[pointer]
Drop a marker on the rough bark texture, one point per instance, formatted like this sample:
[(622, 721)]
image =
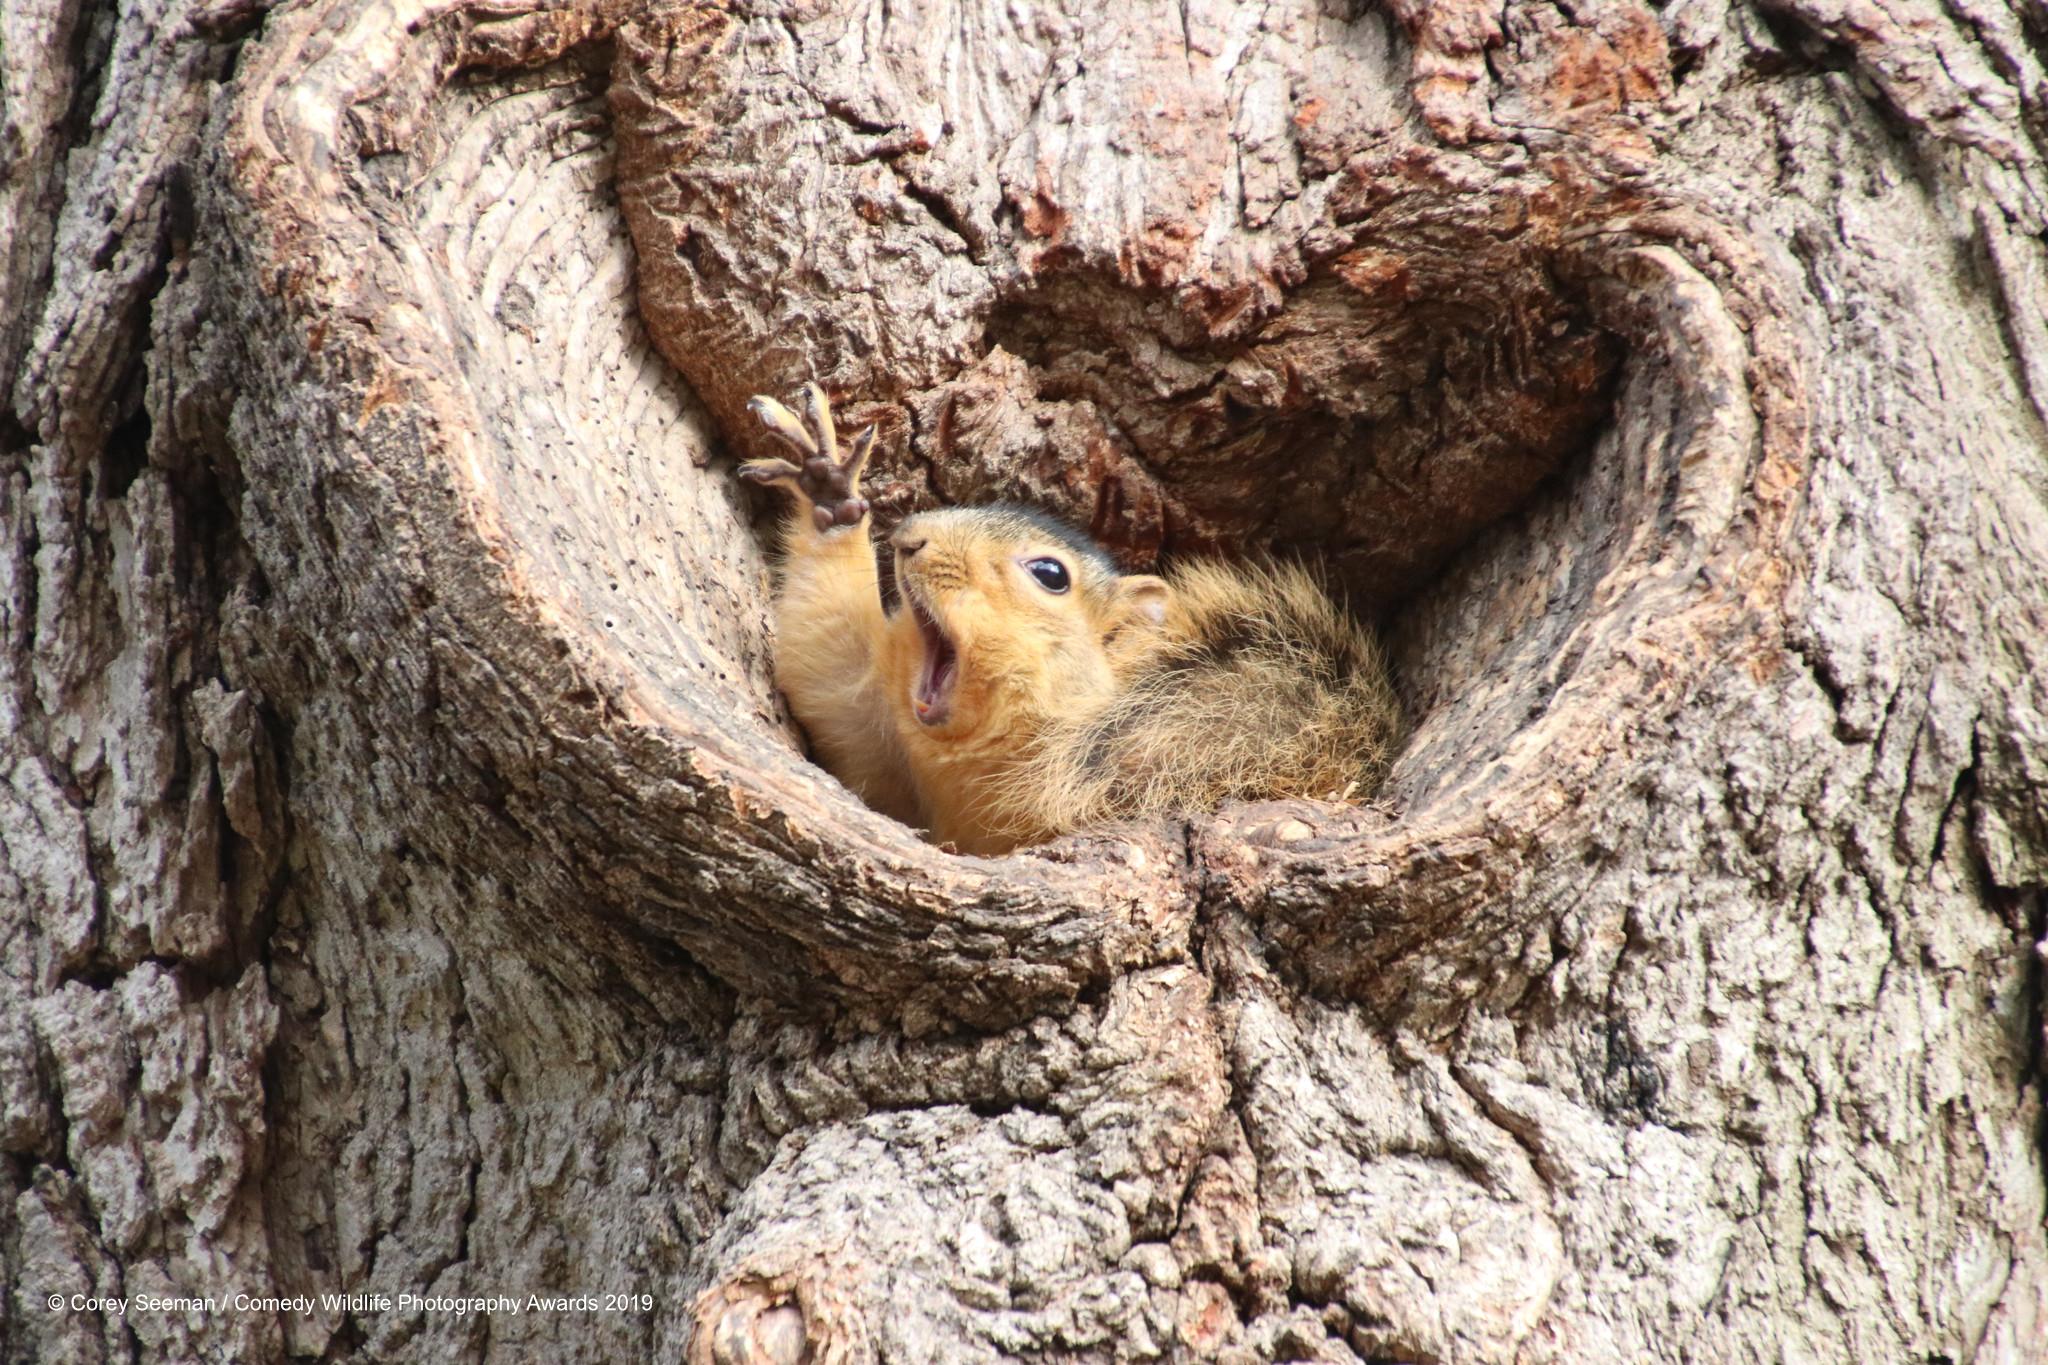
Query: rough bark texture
[(412, 885)]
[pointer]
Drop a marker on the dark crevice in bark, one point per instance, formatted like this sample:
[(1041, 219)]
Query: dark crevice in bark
[(853, 119), (1818, 668), (1626, 1080), (232, 28), (16, 440), (195, 977), (126, 452), (1801, 50), (943, 212), (56, 1153), (1962, 799)]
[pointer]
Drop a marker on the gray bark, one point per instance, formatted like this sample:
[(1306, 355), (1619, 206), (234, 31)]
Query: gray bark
[(412, 885)]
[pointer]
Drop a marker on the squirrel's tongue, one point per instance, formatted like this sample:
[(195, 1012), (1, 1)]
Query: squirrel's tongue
[(933, 696)]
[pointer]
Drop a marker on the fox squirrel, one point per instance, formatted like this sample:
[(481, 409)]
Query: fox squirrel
[(1025, 688)]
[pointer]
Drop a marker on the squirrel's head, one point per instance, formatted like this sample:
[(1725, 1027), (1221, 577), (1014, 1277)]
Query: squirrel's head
[(1008, 618)]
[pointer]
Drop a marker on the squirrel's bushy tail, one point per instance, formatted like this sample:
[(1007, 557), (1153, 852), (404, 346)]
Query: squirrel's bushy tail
[(1265, 689)]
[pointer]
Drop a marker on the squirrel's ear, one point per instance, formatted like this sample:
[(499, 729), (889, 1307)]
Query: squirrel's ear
[(1141, 600)]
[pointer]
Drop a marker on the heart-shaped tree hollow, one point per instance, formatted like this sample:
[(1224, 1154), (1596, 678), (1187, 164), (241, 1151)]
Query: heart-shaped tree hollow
[(1385, 357)]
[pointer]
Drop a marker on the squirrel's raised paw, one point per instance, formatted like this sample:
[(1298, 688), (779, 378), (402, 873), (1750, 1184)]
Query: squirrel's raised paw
[(829, 484)]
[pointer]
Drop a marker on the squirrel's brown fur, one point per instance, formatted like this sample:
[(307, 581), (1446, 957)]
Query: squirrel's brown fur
[(1006, 702)]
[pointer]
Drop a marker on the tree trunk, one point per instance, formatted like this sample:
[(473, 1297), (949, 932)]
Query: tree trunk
[(414, 887)]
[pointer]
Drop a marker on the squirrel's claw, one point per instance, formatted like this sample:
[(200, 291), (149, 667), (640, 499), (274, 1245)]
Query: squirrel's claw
[(831, 485), (769, 472), (782, 423), (818, 411), (857, 458)]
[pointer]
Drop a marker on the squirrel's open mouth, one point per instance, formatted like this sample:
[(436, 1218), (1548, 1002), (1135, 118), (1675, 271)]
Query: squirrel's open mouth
[(932, 698)]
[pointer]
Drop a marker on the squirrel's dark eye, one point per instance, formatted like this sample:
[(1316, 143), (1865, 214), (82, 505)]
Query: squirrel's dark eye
[(1050, 573)]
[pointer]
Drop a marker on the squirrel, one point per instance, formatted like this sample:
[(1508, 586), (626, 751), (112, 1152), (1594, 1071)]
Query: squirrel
[(1023, 687)]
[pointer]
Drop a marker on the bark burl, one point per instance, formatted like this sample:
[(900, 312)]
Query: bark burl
[(410, 884)]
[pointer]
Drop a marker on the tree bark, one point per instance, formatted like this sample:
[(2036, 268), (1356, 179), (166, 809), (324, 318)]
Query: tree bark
[(413, 885)]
